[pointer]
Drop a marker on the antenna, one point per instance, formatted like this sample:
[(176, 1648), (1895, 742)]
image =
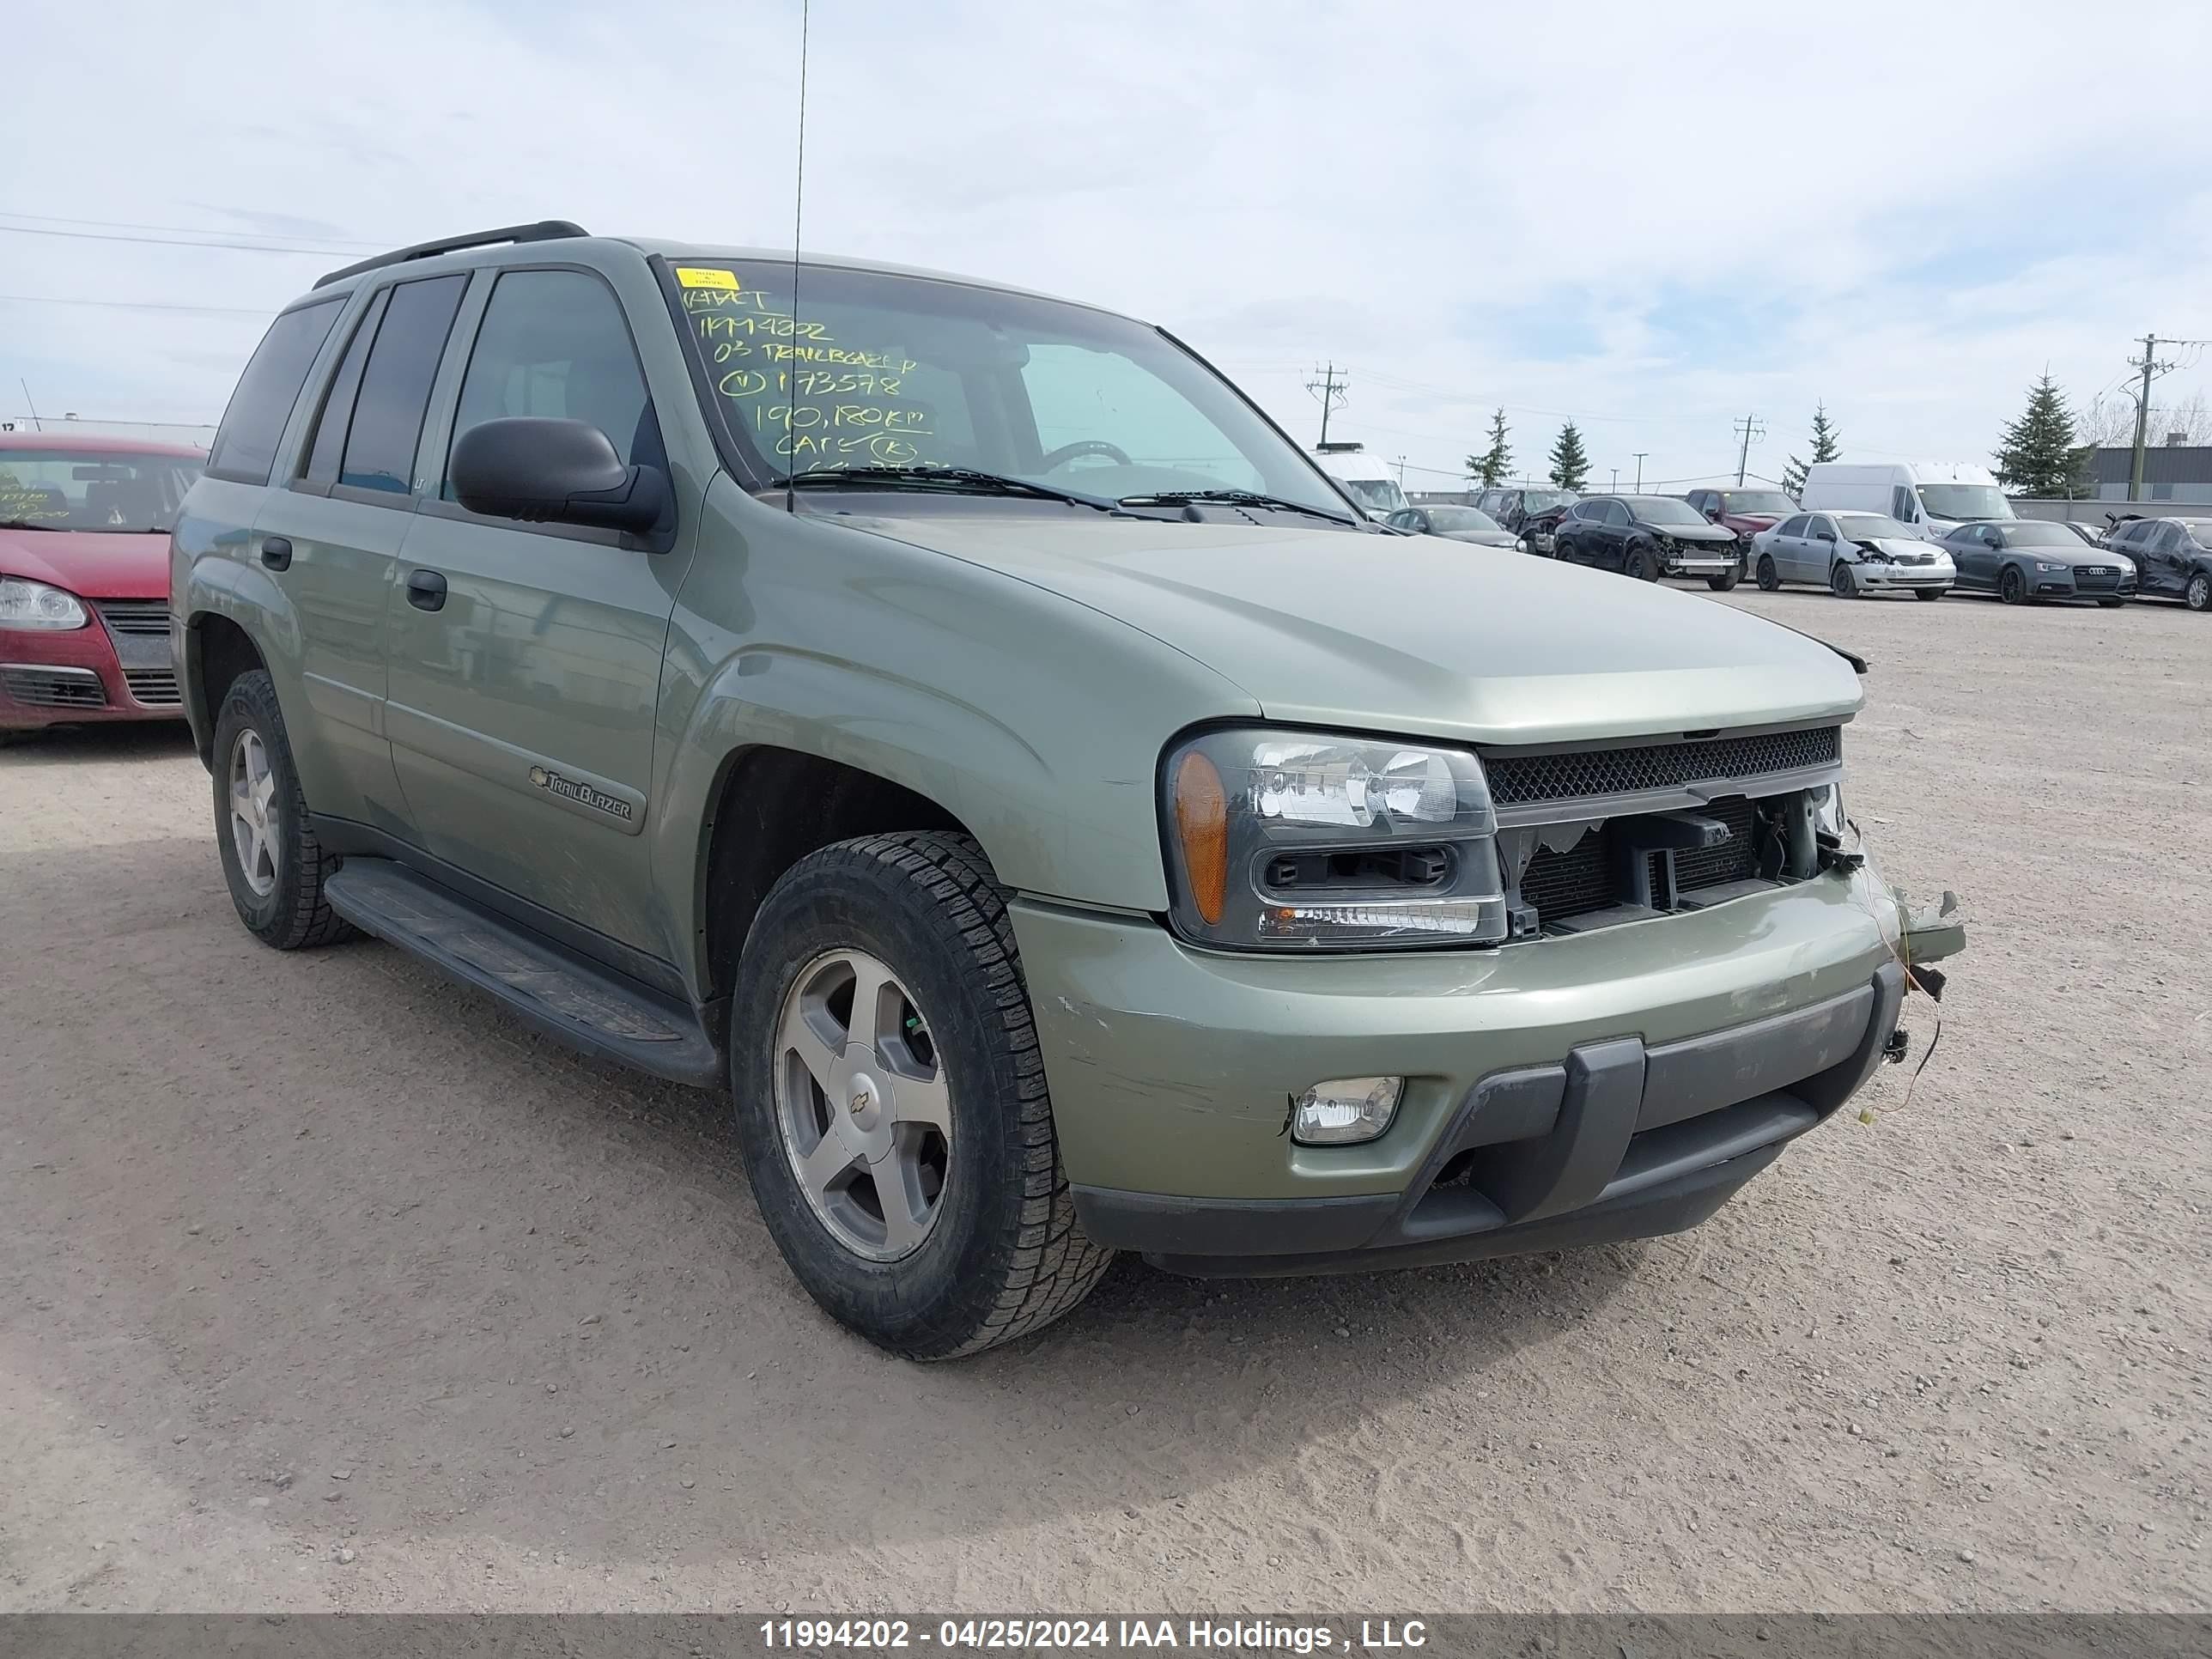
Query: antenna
[(797, 215)]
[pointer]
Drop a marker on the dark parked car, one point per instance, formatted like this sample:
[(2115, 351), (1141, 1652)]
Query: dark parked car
[(1513, 506), (1456, 524), (1647, 537), (2173, 555), (2022, 559)]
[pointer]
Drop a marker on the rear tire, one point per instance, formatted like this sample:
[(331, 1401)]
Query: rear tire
[(1841, 582), (1770, 578), (993, 1252), (2197, 596), (273, 863), (1929, 594)]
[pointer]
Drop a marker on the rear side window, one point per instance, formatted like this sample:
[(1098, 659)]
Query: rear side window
[(554, 343), (395, 384), (1795, 527), (245, 444)]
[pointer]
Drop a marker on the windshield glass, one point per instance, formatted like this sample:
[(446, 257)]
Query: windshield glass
[(1462, 520), (1873, 527), (1758, 501), (2029, 534), (1543, 501), (1662, 509), (886, 370), (1956, 500), (1376, 495), (105, 489)]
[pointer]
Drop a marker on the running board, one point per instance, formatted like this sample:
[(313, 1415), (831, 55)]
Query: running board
[(589, 1007)]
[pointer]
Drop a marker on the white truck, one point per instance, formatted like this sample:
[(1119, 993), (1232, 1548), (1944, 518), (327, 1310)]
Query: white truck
[(1933, 497), (1364, 477)]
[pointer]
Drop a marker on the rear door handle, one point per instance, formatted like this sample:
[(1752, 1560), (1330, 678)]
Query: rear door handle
[(276, 552), (426, 590)]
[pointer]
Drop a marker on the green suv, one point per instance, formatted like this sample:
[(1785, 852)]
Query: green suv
[(960, 723)]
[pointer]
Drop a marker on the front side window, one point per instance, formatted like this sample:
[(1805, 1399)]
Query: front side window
[(245, 444), (115, 491), (553, 344), (878, 370), (395, 386)]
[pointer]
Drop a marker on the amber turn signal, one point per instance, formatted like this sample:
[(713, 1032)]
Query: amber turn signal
[(1201, 815)]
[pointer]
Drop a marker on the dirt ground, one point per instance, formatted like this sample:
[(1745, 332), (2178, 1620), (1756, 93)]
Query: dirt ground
[(324, 1286)]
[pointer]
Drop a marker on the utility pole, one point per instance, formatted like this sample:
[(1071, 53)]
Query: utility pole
[(1400, 465), (2149, 364), (1640, 454), (1614, 488), (1751, 426), (1330, 390)]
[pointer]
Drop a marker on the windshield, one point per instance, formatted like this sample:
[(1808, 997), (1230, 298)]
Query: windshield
[(1758, 501), (1376, 495), (1663, 509), (1543, 501), (105, 489), (2028, 533), (1956, 500), (1875, 527), (886, 370), (1462, 520)]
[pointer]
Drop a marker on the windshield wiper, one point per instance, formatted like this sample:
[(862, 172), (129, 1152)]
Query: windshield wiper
[(25, 523), (1231, 498), (955, 480)]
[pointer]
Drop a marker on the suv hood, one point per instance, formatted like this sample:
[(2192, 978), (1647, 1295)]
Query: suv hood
[(1693, 532), (1406, 634), (90, 564)]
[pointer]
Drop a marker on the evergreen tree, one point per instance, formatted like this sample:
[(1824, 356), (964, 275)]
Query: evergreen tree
[(2038, 456), (1570, 466), (1495, 464), (1825, 448)]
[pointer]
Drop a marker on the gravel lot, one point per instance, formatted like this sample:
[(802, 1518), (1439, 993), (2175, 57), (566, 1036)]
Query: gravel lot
[(324, 1286)]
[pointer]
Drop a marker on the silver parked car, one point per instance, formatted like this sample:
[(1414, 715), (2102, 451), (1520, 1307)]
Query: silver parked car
[(1454, 524), (1850, 555)]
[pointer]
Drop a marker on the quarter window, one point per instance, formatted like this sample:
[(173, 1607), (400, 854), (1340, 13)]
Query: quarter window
[(553, 344), (337, 404), (245, 444), (395, 384)]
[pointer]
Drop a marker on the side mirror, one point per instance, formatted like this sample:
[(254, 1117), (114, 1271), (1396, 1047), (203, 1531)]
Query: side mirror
[(549, 472), (1826, 536)]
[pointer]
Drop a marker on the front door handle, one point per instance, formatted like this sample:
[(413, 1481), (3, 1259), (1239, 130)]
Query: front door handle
[(276, 552), (426, 590)]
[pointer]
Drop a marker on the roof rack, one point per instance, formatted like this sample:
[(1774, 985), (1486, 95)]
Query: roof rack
[(545, 230)]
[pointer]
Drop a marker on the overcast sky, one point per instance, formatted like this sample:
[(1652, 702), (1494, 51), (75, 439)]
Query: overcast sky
[(1654, 220)]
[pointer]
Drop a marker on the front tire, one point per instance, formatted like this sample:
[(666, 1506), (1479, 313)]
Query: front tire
[(1641, 565), (891, 1102), (2197, 596), (1724, 583), (1770, 578), (1841, 582), (2012, 586), (271, 861)]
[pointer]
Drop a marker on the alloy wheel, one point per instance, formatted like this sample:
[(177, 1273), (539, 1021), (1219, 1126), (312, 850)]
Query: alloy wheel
[(253, 812), (2199, 597), (862, 1106)]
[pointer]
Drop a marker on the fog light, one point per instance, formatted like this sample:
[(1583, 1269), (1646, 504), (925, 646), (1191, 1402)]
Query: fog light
[(1346, 1109)]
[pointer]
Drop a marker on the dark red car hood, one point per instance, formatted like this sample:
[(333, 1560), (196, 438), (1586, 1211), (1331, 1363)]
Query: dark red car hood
[(1750, 524), (89, 563)]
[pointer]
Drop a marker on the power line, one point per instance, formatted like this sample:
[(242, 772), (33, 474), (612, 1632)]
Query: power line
[(190, 230), (133, 305), (168, 241)]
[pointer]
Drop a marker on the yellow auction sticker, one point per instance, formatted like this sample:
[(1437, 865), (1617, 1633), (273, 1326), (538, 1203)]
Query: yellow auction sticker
[(693, 276)]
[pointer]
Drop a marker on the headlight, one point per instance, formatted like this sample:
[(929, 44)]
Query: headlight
[(1828, 810), (2048, 568), (27, 604), (1298, 841)]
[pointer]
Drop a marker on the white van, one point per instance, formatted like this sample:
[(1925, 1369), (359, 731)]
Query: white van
[(1933, 497), (1364, 477)]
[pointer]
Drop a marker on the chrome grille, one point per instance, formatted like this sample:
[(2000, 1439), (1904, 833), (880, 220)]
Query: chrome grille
[(156, 687), (135, 615), (40, 687), (1518, 780)]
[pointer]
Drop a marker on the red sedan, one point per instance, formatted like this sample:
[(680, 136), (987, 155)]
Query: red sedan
[(84, 578)]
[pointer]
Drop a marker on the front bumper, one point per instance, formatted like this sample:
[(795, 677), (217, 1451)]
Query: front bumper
[(2079, 583), (1876, 573), (1566, 1089), (1715, 560), (105, 670)]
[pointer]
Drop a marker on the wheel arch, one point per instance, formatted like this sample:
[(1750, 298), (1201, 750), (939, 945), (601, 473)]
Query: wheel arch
[(217, 650)]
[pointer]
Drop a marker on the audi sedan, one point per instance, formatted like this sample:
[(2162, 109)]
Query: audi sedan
[(2023, 560)]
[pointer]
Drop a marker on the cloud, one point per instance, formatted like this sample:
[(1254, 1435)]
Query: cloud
[(1655, 224)]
